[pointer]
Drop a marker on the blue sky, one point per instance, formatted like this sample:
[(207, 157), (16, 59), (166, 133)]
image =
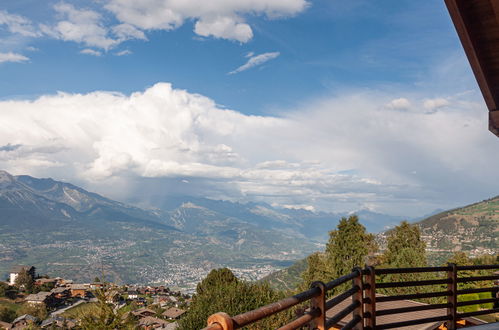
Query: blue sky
[(324, 105)]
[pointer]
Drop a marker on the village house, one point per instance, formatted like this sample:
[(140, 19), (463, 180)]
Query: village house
[(150, 322), (44, 281), (5, 325), (79, 290), (173, 313), (15, 270), (61, 293), (112, 296), (97, 285), (133, 294), (42, 297), (24, 321), (143, 312), (58, 322)]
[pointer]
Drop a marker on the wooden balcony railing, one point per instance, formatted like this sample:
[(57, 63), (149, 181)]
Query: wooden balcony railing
[(362, 311)]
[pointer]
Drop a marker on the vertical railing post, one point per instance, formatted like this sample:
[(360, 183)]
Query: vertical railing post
[(358, 296), (452, 299), (319, 302), (371, 294)]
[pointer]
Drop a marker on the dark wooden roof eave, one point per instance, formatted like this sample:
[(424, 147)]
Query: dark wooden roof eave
[(477, 24)]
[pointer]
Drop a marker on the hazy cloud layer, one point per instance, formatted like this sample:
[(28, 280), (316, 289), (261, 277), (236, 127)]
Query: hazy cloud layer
[(343, 152)]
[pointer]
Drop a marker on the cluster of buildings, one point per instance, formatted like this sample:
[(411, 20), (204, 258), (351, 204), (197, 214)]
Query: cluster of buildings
[(169, 306)]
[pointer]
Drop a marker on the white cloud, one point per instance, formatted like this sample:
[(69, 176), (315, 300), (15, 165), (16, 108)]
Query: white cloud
[(256, 61), (12, 57), (81, 26), (18, 24), (92, 52), (127, 31), (434, 104), (338, 153), (219, 18), (123, 52), (225, 28), (399, 104)]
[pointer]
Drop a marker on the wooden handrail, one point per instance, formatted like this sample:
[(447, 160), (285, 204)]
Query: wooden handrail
[(363, 307)]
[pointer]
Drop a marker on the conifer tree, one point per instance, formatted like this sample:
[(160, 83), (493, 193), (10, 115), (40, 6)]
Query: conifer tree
[(221, 291), (405, 249), (348, 247)]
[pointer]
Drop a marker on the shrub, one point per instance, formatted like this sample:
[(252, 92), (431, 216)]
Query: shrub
[(486, 295), (468, 308)]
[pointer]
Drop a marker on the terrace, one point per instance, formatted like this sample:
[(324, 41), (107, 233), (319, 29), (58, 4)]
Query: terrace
[(362, 307)]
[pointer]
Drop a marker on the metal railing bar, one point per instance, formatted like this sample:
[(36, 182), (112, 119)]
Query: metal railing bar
[(411, 270), (412, 322), (302, 320), (339, 298), (466, 291), (411, 309), (411, 283), (341, 280), (340, 315), (477, 302), (477, 267), (478, 278), (279, 306), (414, 296), (482, 312)]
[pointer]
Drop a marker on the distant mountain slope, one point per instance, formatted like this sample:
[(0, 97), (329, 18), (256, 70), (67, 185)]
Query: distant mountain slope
[(473, 228), (287, 278), (65, 230)]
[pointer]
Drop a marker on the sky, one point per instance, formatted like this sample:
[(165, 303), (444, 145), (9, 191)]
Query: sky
[(323, 105)]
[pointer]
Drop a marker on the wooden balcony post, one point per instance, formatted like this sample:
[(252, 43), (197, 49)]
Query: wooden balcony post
[(319, 302), (358, 296), (452, 299), (371, 294)]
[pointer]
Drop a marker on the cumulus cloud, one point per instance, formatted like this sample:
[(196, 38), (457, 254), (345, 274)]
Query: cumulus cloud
[(12, 57), (338, 153), (399, 104), (92, 52), (220, 19), (434, 104), (81, 26), (256, 60), (18, 24)]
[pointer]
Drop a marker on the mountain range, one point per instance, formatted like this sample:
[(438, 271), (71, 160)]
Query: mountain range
[(68, 231)]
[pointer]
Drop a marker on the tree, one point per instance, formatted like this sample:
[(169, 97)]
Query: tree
[(405, 248), (7, 315), (105, 316), (348, 247), (4, 287), (38, 310), (24, 281), (221, 291), (317, 270)]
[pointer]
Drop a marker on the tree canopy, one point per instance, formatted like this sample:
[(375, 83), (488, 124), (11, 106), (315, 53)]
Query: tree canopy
[(349, 246), (221, 291)]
